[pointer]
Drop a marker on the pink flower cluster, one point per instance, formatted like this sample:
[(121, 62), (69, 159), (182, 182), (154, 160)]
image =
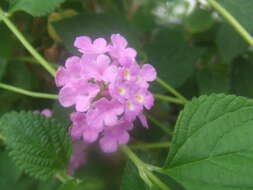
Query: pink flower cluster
[(108, 89)]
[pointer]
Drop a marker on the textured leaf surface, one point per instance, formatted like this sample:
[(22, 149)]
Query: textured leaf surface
[(38, 145), (212, 146), (35, 7)]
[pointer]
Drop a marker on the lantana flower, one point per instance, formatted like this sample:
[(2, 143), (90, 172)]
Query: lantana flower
[(109, 90)]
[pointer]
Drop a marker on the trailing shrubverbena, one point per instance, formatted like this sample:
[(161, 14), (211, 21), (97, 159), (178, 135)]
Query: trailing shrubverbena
[(106, 92)]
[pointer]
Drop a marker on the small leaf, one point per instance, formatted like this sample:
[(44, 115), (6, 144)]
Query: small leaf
[(38, 145), (212, 146), (35, 7)]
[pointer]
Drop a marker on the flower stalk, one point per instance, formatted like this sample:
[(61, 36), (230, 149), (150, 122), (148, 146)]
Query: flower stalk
[(231, 20), (26, 44), (151, 145), (170, 89), (27, 92), (142, 167)]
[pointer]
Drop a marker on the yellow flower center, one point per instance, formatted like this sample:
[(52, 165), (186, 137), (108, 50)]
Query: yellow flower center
[(121, 91), (139, 98), (130, 105), (126, 74)]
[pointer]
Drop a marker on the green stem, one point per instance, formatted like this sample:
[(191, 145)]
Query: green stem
[(63, 177), (26, 44), (237, 26), (169, 99), (171, 90), (151, 145), (159, 124), (28, 93), (140, 164)]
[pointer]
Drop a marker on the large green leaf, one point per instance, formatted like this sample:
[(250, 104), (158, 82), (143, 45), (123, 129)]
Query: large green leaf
[(212, 147), (35, 7), (38, 145)]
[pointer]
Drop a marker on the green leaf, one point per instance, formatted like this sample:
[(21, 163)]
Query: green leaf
[(3, 64), (242, 10), (131, 179), (9, 174), (214, 78), (173, 57), (230, 43), (49, 184), (7, 41), (199, 21), (212, 145), (242, 77), (38, 145), (16, 74), (99, 25), (35, 7)]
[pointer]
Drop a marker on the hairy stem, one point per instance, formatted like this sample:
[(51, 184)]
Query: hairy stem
[(26, 44), (141, 165), (27, 92), (171, 90), (150, 145), (169, 99), (237, 26)]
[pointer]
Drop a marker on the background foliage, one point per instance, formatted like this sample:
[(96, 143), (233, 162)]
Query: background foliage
[(193, 48)]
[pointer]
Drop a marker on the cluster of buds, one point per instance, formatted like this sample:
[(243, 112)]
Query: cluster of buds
[(108, 89)]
